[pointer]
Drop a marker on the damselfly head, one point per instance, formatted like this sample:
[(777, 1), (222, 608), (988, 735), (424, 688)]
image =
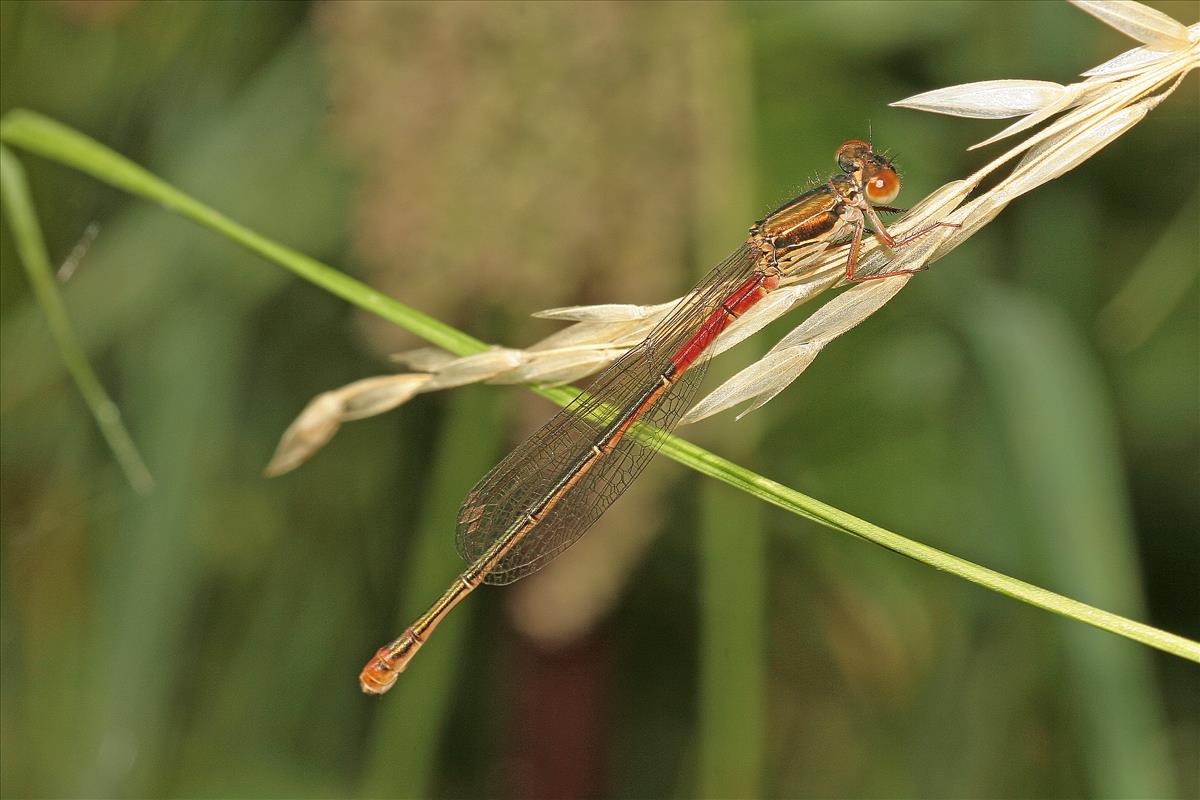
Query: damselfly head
[(851, 155), (880, 182)]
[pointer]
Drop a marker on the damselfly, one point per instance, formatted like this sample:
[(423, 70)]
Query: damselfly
[(542, 497)]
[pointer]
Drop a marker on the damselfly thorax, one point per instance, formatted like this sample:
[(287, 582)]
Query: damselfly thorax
[(839, 208)]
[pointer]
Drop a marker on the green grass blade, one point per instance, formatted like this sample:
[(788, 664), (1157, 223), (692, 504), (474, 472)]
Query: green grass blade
[(789, 499), (53, 140), (294, 171), (59, 143), (31, 249)]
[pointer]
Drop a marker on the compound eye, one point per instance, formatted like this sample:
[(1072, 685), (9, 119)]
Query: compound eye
[(883, 187)]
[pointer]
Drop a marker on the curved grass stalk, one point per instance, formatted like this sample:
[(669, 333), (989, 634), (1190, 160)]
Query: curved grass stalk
[(31, 251), (60, 143)]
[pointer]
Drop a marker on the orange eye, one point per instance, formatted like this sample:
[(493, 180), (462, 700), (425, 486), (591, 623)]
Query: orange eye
[(883, 187)]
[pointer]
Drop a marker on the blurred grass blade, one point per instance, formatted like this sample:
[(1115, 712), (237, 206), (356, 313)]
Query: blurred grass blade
[(1155, 287), (732, 536), (403, 756), (60, 143), (733, 648), (150, 569), (31, 249), (1064, 451)]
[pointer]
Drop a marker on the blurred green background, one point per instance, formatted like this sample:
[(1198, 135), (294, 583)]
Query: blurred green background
[(481, 162)]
